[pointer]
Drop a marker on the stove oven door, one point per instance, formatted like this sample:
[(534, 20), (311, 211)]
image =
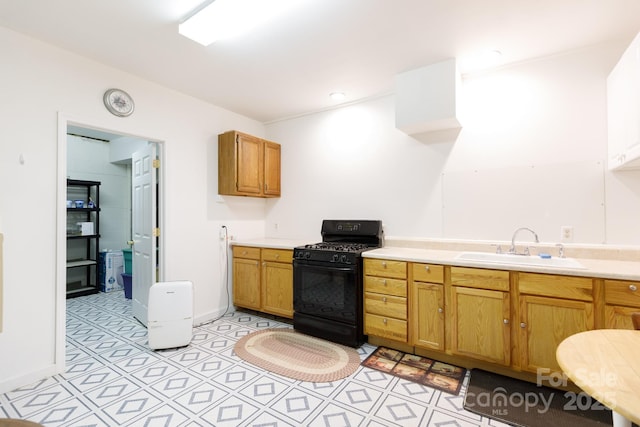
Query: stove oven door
[(327, 291), (327, 301)]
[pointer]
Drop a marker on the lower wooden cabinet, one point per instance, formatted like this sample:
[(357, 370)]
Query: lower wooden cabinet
[(277, 282), (263, 280), (385, 299), (551, 308), (246, 277), (480, 314), (480, 326), (427, 316), (544, 324), (622, 297)]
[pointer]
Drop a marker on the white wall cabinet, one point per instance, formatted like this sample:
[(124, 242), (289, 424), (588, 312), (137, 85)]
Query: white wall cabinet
[(623, 108)]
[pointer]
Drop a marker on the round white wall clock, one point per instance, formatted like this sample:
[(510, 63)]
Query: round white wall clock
[(118, 102)]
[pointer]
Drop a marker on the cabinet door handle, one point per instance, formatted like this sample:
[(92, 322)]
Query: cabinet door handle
[(523, 325), (633, 288), (505, 321), (440, 310)]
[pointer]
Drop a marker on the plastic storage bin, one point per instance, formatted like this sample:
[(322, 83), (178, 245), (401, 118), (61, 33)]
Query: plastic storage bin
[(126, 280), (126, 253)]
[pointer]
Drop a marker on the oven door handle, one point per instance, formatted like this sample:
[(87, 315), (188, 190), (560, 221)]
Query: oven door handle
[(323, 266)]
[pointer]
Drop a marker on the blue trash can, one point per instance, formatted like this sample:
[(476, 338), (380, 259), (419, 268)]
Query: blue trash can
[(126, 279)]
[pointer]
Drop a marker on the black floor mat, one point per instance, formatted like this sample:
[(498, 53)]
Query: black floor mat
[(522, 403)]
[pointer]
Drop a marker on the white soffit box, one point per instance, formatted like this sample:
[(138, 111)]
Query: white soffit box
[(427, 98)]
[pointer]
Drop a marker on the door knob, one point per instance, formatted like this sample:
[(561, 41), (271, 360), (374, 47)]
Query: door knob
[(131, 242)]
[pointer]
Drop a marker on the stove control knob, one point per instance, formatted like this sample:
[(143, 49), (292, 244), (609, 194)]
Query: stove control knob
[(307, 255), (335, 257), (343, 258)]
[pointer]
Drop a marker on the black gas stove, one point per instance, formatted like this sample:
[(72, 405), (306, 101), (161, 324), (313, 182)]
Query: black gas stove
[(327, 280)]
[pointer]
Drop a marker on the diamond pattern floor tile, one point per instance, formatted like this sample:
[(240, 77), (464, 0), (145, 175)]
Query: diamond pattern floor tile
[(113, 378)]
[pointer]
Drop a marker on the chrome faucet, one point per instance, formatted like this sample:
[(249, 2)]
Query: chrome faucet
[(560, 247), (512, 249)]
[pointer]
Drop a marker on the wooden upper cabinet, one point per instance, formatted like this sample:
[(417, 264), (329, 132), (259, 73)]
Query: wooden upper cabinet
[(271, 169), (248, 165)]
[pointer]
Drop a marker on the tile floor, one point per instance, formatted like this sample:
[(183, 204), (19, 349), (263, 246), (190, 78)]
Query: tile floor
[(114, 379)]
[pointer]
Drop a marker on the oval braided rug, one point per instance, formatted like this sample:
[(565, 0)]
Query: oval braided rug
[(298, 356)]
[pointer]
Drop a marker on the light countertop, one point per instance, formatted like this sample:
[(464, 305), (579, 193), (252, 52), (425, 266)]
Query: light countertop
[(600, 261), (600, 268), (270, 243)]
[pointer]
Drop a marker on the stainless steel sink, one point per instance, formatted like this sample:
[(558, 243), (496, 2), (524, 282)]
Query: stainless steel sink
[(510, 259)]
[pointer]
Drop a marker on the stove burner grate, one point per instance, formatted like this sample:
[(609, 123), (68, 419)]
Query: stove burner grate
[(338, 247)]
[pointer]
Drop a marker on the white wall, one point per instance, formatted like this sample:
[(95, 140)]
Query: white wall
[(531, 152), (42, 81)]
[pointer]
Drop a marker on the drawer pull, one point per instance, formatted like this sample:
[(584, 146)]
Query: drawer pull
[(426, 267), (384, 282), (633, 288), (384, 321), (277, 256), (244, 252), (384, 299), (384, 264), (505, 321)]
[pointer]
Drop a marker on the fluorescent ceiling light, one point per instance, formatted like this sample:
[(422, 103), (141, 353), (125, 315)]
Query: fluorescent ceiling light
[(223, 19)]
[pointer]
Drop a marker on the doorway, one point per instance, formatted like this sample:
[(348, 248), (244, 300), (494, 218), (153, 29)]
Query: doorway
[(111, 166)]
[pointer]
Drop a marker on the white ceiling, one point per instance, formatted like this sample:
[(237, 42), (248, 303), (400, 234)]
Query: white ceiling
[(289, 66)]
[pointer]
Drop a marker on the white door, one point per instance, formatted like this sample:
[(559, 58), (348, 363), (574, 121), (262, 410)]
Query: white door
[(143, 224)]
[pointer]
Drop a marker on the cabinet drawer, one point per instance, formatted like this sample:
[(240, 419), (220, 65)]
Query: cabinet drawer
[(386, 268), (549, 285), (382, 285), (246, 252), (428, 273), (480, 278), (384, 305), (385, 327), (277, 255), (622, 292)]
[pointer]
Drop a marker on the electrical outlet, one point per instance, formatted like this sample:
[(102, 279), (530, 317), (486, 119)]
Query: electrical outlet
[(566, 233)]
